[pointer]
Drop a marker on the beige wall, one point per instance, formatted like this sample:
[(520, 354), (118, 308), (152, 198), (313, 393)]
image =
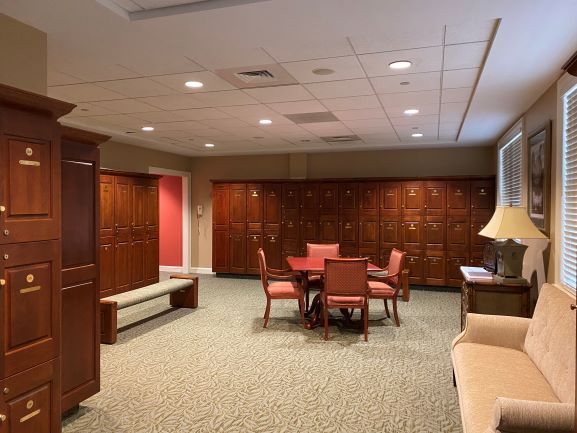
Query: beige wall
[(120, 156), (24, 56), (385, 163)]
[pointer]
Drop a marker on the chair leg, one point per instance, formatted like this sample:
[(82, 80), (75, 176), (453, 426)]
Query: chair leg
[(395, 312), (307, 298), (266, 313), (326, 318), (302, 310), (365, 312), (386, 307)]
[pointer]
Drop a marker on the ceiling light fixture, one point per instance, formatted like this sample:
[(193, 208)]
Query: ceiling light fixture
[(194, 84), (323, 71), (265, 121), (147, 128), (400, 64), (209, 145), (411, 111), (416, 135)]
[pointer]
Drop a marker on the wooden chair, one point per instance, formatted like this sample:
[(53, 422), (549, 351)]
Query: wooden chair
[(279, 289), (388, 286), (319, 250), (346, 287)]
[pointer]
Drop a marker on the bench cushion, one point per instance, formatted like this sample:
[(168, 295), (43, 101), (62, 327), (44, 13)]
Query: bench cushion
[(147, 293), (487, 372)]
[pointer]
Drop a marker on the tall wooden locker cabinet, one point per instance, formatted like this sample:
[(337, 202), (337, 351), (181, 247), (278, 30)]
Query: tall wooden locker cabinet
[(80, 266), (129, 231), (30, 261)]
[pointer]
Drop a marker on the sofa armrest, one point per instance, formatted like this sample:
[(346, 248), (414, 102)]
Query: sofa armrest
[(503, 331), (522, 416)]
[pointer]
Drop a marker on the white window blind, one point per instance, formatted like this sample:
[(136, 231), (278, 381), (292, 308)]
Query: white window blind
[(511, 172), (569, 194)]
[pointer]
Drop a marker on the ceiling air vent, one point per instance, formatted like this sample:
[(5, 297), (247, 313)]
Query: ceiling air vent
[(323, 116), (341, 138), (253, 77)]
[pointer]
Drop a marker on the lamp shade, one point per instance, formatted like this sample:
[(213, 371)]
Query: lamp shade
[(511, 222)]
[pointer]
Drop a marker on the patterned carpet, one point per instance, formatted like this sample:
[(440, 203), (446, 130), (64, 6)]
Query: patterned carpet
[(215, 369)]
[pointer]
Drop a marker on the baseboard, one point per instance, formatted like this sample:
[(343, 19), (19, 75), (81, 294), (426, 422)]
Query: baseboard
[(201, 271), (171, 269)]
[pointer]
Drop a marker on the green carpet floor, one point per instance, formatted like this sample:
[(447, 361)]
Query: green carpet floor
[(215, 369)]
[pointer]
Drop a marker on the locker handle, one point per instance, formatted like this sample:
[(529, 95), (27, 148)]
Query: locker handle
[(29, 416)]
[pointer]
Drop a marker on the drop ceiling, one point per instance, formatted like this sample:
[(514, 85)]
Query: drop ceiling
[(476, 66)]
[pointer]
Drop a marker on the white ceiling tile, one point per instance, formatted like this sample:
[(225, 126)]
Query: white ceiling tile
[(95, 70), (125, 106), (225, 123), (423, 59), (352, 103), (424, 110), (429, 131), (327, 128), (128, 5), (280, 94), (340, 89), (415, 120), (453, 112), (449, 128), (345, 68), (465, 55), (471, 31), (461, 94), (119, 120), (313, 106), (223, 53), (247, 132), (212, 82), (174, 102), (372, 130), (162, 64), (200, 114), (460, 78), (84, 109), (186, 125), (251, 112), (370, 113), (294, 48), (401, 38), (82, 93), (57, 78), (136, 87), (209, 133), (283, 129), (417, 82), (369, 123), (159, 116), (378, 138), (410, 98), (222, 99)]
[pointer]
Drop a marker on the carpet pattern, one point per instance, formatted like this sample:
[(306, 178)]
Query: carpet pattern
[(215, 369)]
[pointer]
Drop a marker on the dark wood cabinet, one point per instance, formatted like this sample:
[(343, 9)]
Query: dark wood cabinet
[(31, 258), (129, 233), (435, 220), (81, 259)]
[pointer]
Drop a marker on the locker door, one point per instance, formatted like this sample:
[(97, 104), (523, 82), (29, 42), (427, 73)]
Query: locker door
[(272, 250), (458, 197), (106, 205), (253, 243), (237, 252), (328, 232), (413, 198), (329, 198), (272, 206), (220, 250)]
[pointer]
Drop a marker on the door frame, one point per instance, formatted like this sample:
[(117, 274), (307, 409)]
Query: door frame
[(186, 219)]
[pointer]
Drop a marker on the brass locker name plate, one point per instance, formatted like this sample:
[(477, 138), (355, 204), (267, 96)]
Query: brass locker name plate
[(29, 162)]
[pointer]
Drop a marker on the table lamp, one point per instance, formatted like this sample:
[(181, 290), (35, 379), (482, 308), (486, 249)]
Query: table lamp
[(509, 223)]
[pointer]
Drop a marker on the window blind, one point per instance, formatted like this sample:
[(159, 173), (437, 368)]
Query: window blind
[(511, 172), (569, 194)]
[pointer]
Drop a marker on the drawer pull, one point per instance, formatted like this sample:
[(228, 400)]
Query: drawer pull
[(30, 415), (30, 289)]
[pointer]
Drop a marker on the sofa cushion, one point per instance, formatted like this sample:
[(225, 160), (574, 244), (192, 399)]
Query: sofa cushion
[(550, 341), (486, 372)]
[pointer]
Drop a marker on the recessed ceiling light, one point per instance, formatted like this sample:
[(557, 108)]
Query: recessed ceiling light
[(209, 145), (147, 128), (405, 83), (416, 134), (265, 121), (194, 84), (323, 71), (411, 111), (400, 64)]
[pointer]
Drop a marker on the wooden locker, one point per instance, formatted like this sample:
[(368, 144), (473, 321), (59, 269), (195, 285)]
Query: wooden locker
[(220, 250), (220, 206), (290, 197), (309, 201), (454, 263), (106, 268), (369, 231), (237, 206), (482, 198), (237, 254), (106, 206), (220, 225), (152, 243), (329, 198), (458, 234), (254, 241), (458, 198), (328, 229), (272, 206), (412, 233), (348, 197), (436, 198), (369, 197), (414, 262), (273, 250), (348, 231), (390, 199), (435, 268), (413, 198), (254, 207), (435, 233), (309, 228)]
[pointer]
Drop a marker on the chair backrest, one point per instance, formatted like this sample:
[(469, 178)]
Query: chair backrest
[(323, 250), (262, 267), (396, 265), (346, 276)]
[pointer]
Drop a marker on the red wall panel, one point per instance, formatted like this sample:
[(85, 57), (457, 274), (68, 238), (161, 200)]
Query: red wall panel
[(170, 191)]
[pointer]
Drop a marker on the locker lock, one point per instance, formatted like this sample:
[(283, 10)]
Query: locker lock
[(6, 256), (2, 417), (2, 282), (6, 232), (6, 390), (2, 209)]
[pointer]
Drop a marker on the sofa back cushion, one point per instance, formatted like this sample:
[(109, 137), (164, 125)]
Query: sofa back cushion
[(550, 341)]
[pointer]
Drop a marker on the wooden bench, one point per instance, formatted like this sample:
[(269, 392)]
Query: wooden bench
[(183, 291)]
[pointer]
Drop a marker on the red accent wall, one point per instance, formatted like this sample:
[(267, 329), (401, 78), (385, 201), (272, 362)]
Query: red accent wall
[(170, 198)]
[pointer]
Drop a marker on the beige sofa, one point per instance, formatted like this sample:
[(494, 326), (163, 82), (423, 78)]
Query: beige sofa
[(515, 374)]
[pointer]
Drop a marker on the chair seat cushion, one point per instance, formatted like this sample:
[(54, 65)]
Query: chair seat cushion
[(284, 289), (345, 300), (376, 288)]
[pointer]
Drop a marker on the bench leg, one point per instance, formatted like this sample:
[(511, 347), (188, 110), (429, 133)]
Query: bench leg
[(185, 298), (108, 324)]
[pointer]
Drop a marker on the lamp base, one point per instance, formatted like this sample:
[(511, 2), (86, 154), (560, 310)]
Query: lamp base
[(510, 281)]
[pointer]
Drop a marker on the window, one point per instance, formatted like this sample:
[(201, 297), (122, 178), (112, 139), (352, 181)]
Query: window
[(511, 172), (569, 190)]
